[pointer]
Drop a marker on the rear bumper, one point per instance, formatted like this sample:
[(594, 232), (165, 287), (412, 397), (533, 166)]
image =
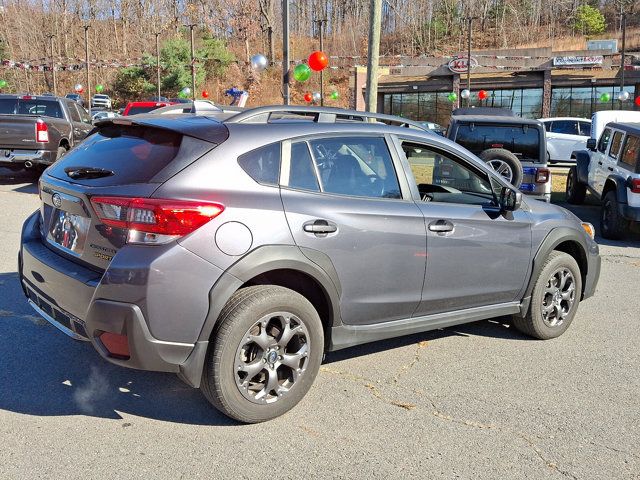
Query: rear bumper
[(19, 157), (72, 298)]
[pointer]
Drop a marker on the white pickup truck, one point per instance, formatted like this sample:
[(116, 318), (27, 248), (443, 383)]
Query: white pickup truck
[(610, 170)]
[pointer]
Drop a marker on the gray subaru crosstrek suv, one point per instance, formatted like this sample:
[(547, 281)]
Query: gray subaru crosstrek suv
[(235, 251)]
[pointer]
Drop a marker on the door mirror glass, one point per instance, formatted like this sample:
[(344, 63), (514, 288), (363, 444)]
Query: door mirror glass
[(591, 144), (510, 199)]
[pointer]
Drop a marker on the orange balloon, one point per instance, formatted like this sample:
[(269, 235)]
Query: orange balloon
[(318, 61), (308, 97)]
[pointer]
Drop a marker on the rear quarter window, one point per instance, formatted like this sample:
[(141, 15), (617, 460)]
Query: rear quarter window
[(135, 154), (616, 142), (262, 164), (631, 153)]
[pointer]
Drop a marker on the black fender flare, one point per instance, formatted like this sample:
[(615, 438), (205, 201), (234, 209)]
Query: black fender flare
[(554, 238), (261, 260), (582, 165), (620, 186)]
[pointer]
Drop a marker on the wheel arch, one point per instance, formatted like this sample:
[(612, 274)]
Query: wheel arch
[(617, 183), (64, 143), (582, 159)]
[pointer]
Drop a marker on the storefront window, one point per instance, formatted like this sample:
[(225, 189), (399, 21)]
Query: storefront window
[(525, 102), (584, 101), (422, 107)]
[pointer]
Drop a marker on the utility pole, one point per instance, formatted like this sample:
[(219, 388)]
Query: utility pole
[(321, 23), (193, 62), (373, 55), (53, 64), (469, 20), (157, 34), (86, 59), (624, 51), (285, 52)]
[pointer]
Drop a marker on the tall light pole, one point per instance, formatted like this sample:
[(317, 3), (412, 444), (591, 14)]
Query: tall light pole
[(373, 54), (86, 60), (321, 23), (469, 20), (624, 51), (157, 34), (285, 52), (193, 62), (53, 64)]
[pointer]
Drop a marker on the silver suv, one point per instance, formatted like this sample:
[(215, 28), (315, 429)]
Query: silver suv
[(236, 251)]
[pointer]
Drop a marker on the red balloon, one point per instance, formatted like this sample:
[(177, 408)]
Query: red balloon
[(308, 97), (482, 94), (637, 101), (318, 61), (205, 94)]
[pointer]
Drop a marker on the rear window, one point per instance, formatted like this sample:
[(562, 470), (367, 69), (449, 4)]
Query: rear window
[(631, 153), (134, 154), (45, 108), (521, 140), (137, 110), (567, 127)]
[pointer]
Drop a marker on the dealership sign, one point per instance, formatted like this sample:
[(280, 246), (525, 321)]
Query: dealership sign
[(577, 60), (459, 65)]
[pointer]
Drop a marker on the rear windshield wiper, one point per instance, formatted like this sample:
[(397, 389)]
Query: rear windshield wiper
[(87, 172)]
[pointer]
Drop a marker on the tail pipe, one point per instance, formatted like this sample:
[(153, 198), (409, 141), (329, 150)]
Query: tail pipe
[(28, 164)]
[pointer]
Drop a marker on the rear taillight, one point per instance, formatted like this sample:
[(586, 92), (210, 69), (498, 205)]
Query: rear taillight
[(543, 175), (153, 220), (634, 185), (42, 132)]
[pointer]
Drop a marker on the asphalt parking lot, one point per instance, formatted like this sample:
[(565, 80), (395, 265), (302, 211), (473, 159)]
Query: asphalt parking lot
[(478, 401)]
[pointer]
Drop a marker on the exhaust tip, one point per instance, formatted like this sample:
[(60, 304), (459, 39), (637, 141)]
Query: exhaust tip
[(28, 164)]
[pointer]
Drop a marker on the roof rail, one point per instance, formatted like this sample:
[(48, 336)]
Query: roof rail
[(321, 115)]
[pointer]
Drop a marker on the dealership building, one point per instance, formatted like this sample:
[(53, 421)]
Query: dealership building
[(534, 83)]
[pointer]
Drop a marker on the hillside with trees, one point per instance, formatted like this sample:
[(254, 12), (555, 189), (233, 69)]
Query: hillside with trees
[(122, 38)]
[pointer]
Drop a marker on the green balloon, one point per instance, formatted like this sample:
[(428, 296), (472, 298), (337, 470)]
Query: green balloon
[(605, 97), (302, 72), (452, 97), (335, 95), (3, 83), (99, 88)]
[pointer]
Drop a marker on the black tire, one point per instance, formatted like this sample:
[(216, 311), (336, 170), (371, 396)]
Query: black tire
[(507, 158), (575, 191), (612, 225), (240, 314), (61, 152), (534, 323)]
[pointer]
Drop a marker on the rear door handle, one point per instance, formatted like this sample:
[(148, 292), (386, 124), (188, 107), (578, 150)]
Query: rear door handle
[(599, 163), (319, 227), (441, 226)]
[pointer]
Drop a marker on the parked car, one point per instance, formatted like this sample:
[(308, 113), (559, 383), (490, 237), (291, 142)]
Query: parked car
[(515, 147), (101, 115), (201, 106), (435, 128), (35, 131), (76, 97), (610, 170), (237, 253), (101, 100), (135, 108), (179, 100), (564, 136)]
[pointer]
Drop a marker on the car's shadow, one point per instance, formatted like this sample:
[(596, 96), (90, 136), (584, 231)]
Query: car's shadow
[(20, 177), (45, 373)]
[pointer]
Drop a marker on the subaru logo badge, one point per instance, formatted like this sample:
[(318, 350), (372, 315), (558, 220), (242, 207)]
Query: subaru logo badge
[(56, 200)]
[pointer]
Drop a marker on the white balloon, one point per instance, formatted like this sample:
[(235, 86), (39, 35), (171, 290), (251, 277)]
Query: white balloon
[(186, 91), (623, 96), (317, 97), (465, 93), (259, 62)]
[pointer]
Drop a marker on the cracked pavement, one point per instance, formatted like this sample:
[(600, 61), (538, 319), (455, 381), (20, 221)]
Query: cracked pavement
[(478, 401)]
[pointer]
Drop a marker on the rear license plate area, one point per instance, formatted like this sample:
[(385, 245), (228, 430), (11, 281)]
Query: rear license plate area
[(68, 231)]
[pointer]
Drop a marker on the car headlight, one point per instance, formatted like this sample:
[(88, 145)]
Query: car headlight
[(589, 229)]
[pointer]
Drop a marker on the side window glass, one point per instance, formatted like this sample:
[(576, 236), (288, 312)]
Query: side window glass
[(585, 128), (630, 153), (616, 142), (568, 127), (604, 140), (84, 115), (73, 111), (547, 126), (302, 175), (355, 166), (262, 164), (441, 177)]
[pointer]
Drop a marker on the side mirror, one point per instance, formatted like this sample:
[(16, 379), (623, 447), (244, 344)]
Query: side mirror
[(510, 199), (592, 144)]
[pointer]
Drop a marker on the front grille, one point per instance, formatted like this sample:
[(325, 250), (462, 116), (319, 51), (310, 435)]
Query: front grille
[(57, 316)]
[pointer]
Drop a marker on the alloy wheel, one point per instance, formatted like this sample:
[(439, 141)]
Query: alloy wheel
[(559, 297), (272, 357), (502, 168)]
